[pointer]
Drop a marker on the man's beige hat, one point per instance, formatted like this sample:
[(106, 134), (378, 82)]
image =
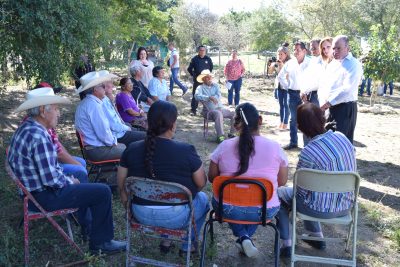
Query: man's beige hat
[(203, 74), (91, 79), (41, 97)]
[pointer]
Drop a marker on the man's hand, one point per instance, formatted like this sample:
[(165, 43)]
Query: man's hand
[(213, 99), (303, 97), (325, 106), (74, 180)]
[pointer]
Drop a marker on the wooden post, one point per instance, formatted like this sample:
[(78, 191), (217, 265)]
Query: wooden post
[(265, 68)]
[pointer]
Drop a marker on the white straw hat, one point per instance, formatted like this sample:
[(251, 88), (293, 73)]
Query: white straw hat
[(41, 97), (91, 79), (203, 74)]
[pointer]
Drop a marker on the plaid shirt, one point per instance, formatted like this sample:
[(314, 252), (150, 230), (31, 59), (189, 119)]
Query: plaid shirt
[(33, 158)]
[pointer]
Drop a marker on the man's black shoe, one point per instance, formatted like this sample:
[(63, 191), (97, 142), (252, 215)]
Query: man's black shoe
[(290, 146), (316, 244), (108, 247)]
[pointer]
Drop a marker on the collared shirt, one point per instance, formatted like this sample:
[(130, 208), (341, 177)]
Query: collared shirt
[(292, 74), (33, 158), (312, 75), (159, 88), (331, 151), (234, 69), (174, 52), (203, 93), (54, 138), (147, 70), (117, 126), (91, 121), (342, 79)]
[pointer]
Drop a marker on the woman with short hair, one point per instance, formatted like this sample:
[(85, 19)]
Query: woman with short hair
[(158, 85), (234, 71), (249, 155), (159, 157), (140, 92)]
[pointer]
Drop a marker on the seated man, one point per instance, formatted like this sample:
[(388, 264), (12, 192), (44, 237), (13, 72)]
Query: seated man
[(139, 92), (208, 93), (33, 158), (326, 151), (91, 121)]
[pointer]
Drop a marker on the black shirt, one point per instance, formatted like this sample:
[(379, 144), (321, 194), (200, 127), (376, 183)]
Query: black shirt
[(173, 161), (198, 64), (138, 87)]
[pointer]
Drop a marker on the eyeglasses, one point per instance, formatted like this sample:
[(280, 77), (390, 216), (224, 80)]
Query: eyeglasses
[(102, 85)]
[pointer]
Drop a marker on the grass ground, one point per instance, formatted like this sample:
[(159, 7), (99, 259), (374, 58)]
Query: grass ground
[(377, 157)]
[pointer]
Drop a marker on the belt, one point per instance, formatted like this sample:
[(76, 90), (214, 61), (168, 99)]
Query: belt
[(344, 103), (293, 90)]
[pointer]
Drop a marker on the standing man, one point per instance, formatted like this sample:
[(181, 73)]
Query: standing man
[(291, 77), (314, 47), (174, 65), (344, 76), (197, 65)]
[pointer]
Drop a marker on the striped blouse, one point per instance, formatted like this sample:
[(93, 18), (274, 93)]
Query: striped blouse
[(331, 151)]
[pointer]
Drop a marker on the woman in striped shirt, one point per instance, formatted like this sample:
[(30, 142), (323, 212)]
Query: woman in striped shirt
[(327, 151)]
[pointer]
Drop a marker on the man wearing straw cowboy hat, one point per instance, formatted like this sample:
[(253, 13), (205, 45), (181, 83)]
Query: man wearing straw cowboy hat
[(33, 158), (209, 94), (102, 140)]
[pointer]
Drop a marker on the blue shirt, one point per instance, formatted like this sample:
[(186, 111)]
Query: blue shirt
[(91, 121), (118, 127), (159, 89), (33, 158), (203, 93), (331, 151)]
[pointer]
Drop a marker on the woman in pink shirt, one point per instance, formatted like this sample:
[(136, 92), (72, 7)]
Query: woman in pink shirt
[(234, 71), (249, 155)]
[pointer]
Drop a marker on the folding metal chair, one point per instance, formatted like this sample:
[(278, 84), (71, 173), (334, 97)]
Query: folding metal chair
[(161, 192), (31, 216), (97, 167), (330, 182), (206, 115), (244, 192)]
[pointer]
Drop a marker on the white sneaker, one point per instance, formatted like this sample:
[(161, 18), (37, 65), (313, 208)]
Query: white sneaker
[(249, 249)]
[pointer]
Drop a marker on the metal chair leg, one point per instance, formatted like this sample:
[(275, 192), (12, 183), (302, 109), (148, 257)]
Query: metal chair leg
[(204, 244), (276, 244)]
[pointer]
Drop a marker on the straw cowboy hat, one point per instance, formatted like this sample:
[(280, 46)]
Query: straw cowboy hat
[(91, 79), (41, 97), (203, 74)]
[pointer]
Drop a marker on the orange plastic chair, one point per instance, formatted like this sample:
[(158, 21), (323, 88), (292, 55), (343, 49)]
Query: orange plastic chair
[(244, 192), (31, 216), (96, 167)]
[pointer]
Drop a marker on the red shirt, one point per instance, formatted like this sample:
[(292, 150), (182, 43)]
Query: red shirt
[(234, 69)]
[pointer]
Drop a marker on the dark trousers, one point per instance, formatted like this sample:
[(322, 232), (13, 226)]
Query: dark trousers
[(194, 103), (345, 116), (294, 102), (96, 197), (132, 136)]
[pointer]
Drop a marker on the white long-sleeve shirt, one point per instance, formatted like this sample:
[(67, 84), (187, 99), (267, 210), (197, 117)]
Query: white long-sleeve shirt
[(291, 75), (341, 81)]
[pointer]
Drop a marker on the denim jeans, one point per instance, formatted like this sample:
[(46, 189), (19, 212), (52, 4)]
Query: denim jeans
[(252, 214), (283, 105), (96, 197), (78, 171), (368, 82), (174, 78), (294, 102), (236, 85), (175, 217), (390, 88)]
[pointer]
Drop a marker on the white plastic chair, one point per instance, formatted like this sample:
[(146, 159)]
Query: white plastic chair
[(333, 182)]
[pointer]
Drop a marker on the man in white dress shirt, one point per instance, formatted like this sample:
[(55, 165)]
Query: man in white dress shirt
[(291, 77), (342, 84)]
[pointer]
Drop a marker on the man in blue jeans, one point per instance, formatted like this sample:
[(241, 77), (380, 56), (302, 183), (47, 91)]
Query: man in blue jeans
[(290, 77), (174, 65)]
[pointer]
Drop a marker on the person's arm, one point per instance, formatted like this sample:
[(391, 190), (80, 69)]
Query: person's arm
[(190, 68), (174, 60), (122, 173), (64, 157), (283, 175), (199, 178), (199, 96), (211, 64), (153, 89), (131, 112), (282, 77), (101, 126), (213, 171)]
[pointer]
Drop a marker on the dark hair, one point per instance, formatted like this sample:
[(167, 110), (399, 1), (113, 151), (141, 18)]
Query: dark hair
[(246, 112), (310, 119), (140, 50), (301, 44), (201, 46), (285, 44), (161, 118), (123, 82), (156, 70)]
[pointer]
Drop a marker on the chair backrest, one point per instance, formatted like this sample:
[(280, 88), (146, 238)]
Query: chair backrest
[(79, 135), (158, 191), (327, 181), (239, 192)]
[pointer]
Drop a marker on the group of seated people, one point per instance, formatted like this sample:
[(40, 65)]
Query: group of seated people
[(35, 156)]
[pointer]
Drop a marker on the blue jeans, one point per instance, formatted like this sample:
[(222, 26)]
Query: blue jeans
[(236, 85), (96, 197), (174, 78), (78, 171), (283, 105), (252, 214), (390, 88), (368, 82), (175, 217), (294, 102)]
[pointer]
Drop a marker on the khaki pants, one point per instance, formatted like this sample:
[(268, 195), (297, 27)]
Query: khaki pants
[(218, 116)]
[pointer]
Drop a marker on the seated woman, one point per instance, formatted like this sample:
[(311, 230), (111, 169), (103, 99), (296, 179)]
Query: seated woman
[(127, 107), (160, 158), (326, 151), (158, 85), (140, 92), (249, 155)]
